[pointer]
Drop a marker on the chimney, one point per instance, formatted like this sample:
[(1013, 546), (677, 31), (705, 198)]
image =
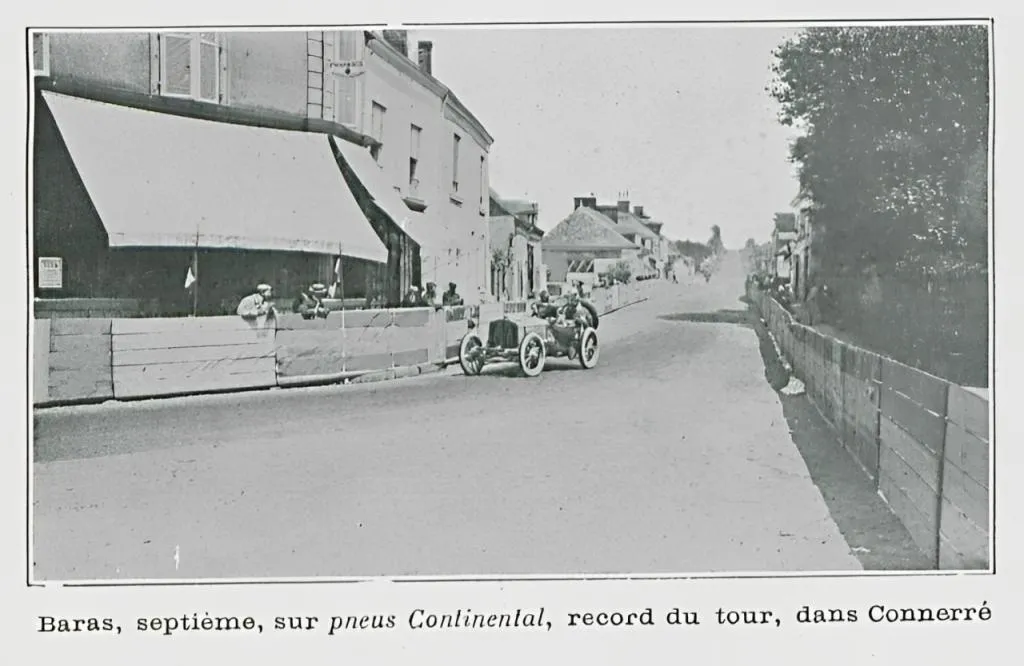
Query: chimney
[(425, 50), (624, 206), (638, 211), (399, 39)]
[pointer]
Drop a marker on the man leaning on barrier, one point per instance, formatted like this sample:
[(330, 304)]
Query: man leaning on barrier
[(258, 304)]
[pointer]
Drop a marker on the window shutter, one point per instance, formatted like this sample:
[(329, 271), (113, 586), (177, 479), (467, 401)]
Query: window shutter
[(209, 71), (177, 70)]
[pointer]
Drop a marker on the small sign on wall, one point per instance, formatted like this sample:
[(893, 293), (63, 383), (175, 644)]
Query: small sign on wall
[(51, 273)]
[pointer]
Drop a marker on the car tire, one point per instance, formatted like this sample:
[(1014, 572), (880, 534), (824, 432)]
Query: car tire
[(589, 351), (470, 367), (532, 354)]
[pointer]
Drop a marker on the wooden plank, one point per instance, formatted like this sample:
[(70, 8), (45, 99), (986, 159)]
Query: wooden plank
[(184, 325), (923, 529), (922, 461), (99, 361), (40, 360), (404, 339), (966, 494), (411, 357), (415, 318), (79, 326), (976, 459), (88, 342), (968, 410), (189, 369), (967, 538), (923, 425), (361, 319), (368, 362), (78, 385), (295, 322), (926, 390), (188, 338), (133, 383), (901, 475), (261, 349), (949, 557)]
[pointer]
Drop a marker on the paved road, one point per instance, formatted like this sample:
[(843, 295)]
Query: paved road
[(673, 455)]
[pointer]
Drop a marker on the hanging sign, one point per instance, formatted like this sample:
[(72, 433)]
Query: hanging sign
[(51, 273), (348, 67)]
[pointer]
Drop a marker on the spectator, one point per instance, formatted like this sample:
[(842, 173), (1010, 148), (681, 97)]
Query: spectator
[(451, 297), (257, 304), (412, 298), (310, 303), (430, 295)]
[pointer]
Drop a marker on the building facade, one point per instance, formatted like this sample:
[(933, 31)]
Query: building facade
[(297, 95), (223, 164), (429, 147), (517, 268)]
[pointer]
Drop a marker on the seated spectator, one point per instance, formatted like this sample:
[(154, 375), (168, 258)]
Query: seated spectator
[(451, 297)]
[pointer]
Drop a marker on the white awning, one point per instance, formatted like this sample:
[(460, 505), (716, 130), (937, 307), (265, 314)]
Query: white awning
[(160, 180), (430, 238)]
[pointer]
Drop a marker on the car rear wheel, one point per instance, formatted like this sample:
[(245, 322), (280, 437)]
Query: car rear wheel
[(588, 351), (532, 355), (471, 354)]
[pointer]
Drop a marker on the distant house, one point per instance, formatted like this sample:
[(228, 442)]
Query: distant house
[(515, 240), (584, 242), (784, 237), (802, 254), (632, 227)]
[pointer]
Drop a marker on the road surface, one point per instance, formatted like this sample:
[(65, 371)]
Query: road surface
[(672, 456)]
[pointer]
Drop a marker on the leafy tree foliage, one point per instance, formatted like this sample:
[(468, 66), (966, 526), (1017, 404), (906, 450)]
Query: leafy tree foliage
[(894, 149), (893, 169)]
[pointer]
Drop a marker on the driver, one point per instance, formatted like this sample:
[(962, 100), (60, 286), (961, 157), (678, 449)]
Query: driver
[(545, 308)]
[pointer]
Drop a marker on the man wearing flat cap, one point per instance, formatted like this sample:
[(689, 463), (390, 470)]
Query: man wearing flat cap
[(258, 304)]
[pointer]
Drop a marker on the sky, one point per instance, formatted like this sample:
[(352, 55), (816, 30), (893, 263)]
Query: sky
[(676, 115)]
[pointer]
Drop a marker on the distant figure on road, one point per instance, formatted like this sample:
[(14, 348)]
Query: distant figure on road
[(451, 297), (258, 304)]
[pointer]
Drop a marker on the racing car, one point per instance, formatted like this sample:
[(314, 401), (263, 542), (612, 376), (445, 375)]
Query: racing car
[(564, 330)]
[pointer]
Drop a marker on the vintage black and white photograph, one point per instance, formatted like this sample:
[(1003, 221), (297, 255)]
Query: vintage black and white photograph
[(509, 302)]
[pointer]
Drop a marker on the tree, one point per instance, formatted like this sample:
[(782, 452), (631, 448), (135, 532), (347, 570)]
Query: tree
[(893, 149), (893, 166)]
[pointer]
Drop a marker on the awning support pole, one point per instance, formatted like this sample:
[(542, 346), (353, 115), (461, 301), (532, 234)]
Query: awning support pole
[(195, 270)]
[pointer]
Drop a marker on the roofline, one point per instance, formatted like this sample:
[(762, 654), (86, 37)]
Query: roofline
[(586, 247), (459, 112)]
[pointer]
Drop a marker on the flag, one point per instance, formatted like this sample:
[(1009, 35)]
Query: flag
[(333, 291), (192, 274)]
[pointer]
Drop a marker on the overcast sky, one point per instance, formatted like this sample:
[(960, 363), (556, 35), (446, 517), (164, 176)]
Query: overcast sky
[(676, 115)]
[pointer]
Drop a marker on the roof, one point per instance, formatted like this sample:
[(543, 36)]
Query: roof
[(630, 224), (586, 228), (785, 222), (378, 45), (162, 180), (519, 206)]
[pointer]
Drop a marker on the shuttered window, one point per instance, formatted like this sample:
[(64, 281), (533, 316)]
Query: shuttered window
[(40, 53), (348, 47), (190, 65)]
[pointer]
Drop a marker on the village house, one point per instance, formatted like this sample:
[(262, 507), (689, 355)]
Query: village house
[(586, 242), (517, 269), (428, 147), (247, 157), (783, 238), (645, 264), (802, 254)]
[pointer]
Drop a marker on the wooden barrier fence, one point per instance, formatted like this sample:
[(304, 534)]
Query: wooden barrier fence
[(91, 359), (923, 440)]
